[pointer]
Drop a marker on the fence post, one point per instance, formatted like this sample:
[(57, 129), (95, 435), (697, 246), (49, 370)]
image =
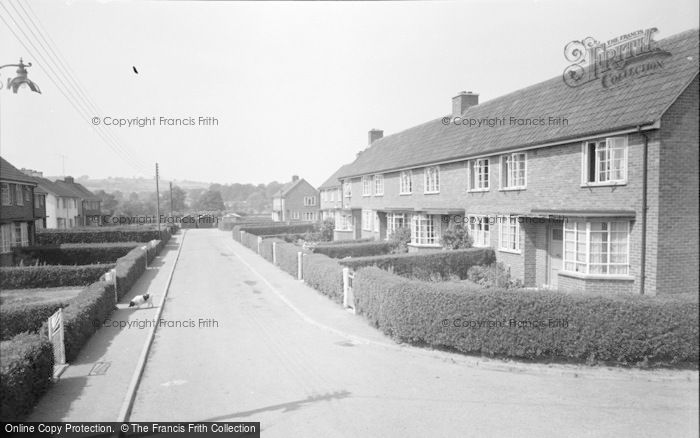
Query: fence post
[(259, 243), (346, 285), (274, 253), (55, 326), (241, 236), (300, 275), (145, 249), (116, 293)]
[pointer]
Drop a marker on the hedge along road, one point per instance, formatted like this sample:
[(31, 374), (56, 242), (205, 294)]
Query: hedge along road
[(247, 342)]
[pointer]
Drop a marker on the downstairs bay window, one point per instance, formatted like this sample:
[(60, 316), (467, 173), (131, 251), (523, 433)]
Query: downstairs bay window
[(597, 247), (425, 229), (394, 221)]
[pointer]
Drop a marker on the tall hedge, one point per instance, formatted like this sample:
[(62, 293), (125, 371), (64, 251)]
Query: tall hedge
[(544, 325), (73, 253), (287, 257), (27, 277), (101, 235), (323, 274), (26, 371), (361, 249), (428, 265), (266, 248), (275, 228), (20, 317)]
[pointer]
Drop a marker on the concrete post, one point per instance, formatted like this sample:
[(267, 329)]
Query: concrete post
[(300, 275), (346, 285), (259, 243), (274, 253)]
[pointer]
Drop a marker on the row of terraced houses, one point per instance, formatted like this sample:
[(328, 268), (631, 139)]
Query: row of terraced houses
[(591, 188)]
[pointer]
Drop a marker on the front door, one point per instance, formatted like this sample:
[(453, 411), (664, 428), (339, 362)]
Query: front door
[(556, 248)]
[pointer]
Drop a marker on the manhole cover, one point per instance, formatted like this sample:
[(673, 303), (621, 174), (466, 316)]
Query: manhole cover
[(99, 369)]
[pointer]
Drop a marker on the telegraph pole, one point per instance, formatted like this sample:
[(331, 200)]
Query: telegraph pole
[(171, 199), (157, 200)]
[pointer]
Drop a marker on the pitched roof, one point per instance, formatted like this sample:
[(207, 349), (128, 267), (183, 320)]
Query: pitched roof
[(55, 189), (8, 172), (333, 180), (287, 187), (590, 109), (77, 189)]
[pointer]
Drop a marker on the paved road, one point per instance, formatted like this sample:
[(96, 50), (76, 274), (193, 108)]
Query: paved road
[(293, 360)]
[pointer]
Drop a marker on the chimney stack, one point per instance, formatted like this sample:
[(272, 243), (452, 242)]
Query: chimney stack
[(462, 101), (374, 134), (295, 178), (32, 172), (69, 179)]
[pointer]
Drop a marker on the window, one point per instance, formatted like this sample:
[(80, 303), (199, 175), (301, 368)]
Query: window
[(6, 197), (378, 185), (394, 221), (20, 236), (406, 182), (61, 223), (366, 186), (376, 222), (513, 169), (347, 189), (598, 248), (480, 230), (295, 215), (5, 238), (367, 220), (309, 216), (432, 179), (19, 197), (509, 234), (478, 174), (324, 196), (27, 193), (345, 222), (605, 161), (309, 201), (424, 229)]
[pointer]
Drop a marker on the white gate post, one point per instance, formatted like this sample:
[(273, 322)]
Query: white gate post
[(300, 275), (145, 249), (241, 236), (116, 293), (259, 243), (55, 324), (346, 285), (274, 253)]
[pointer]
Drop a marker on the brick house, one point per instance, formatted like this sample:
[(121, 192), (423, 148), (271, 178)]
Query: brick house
[(296, 201), (597, 192), (89, 209), (62, 204), (331, 195), (17, 212)]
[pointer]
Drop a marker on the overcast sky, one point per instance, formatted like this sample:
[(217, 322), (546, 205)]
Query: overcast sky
[(295, 86)]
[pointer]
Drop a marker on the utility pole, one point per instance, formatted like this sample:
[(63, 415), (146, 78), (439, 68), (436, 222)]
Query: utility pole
[(157, 200), (171, 200)]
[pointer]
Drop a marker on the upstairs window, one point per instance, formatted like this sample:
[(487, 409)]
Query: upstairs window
[(378, 185), (604, 161), (347, 189), (406, 182), (19, 197), (432, 179), (366, 186), (513, 171), (478, 174), (6, 197), (309, 201)]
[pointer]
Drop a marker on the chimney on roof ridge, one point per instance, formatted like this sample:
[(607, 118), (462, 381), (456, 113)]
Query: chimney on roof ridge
[(462, 101), (374, 134), (32, 172), (69, 180), (295, 178)]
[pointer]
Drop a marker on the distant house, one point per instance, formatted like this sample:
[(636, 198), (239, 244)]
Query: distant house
[(89, 209), (17, 212), (61, 203), (331, 195), (296, 201)]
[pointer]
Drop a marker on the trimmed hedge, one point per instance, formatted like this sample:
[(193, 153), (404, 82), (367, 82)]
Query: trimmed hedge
[(287, 257), (293, 237), (428, 265), (27, 277), (362, 249), (323, 274), (26, 372), (73, 253), (266, 248), (101, 235), (347, 242), (266, 230), (616, 329), (131, 266), (21, 317)]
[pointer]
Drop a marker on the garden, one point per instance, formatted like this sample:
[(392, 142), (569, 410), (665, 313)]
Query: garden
[(65, 270)]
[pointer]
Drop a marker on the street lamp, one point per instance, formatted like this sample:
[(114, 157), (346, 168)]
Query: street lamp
[(21, 79)]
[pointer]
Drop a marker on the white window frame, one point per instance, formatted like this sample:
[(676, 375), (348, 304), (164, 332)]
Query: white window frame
[(366, 186), (431, 180), (573, 227), (309, 201), (608, 146), (347, 189), (295, 215), (425, 230), (19, 194), (6, 238), (367, 220), (507, 171), (392, 222), (505, 227), (376, 222), (6, 194), (479, 228), (378, 185), (406, 182), (477, 179)]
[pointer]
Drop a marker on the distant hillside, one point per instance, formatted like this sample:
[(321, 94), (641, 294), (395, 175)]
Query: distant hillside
[(129, 185)]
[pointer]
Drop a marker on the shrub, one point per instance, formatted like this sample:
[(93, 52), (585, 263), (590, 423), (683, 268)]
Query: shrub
[(275, 228), (26, 372), (20, 317), (323, 274), (73, 254), (494, 275), (26, 277), (428, 265), (456, 237), (101, 235), (326, 229), (363, 249), (295, 237), (399, 240), (618, 329), (339, 242)]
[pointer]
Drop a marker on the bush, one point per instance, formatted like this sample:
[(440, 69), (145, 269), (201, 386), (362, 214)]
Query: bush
[(27, 277), (429, 265), (275, 228), (456, 237), (101, 235), (363, 249), (22, 317), (494, 275), (295, 237), (326, 229), (399, 240), (72, 253), (26, 372), (323, 274), (616, 329)]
